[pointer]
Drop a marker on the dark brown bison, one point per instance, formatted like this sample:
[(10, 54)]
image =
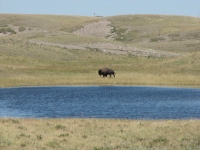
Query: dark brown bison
[(106, 71)]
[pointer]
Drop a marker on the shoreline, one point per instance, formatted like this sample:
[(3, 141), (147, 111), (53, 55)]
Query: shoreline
[(115, 85)]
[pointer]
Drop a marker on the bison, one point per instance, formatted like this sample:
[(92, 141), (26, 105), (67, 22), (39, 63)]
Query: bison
[(106, 71)]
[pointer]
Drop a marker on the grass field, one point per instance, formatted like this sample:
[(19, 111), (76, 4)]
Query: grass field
[(24, 63), (99, 134)]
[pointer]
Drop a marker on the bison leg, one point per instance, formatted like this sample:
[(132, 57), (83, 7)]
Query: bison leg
[(112, 74)]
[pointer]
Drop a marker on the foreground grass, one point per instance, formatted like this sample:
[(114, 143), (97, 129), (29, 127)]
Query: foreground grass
[(99, 134)]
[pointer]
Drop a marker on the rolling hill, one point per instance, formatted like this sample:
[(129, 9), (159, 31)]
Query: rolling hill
[(68, 50)]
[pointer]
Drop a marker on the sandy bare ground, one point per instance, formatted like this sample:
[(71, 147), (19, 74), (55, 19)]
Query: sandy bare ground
[(101, 29)]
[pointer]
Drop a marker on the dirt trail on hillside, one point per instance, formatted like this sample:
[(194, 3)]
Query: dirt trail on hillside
[(111, 49), (102, 29)]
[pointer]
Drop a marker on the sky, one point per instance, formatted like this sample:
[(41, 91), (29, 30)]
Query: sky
[(101, 7)]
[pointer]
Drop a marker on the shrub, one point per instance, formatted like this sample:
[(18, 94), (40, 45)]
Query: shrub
[(6, 30), (159, 141), (23, 144), (157, 38), (63, 135), (53, 144), (60, 127), (39, 137), (21, 28)]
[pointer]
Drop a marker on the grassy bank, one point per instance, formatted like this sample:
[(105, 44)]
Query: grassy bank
[(99, 134), (23, 63)]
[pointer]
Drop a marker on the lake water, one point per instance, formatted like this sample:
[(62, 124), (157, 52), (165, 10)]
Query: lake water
[(123, 102)]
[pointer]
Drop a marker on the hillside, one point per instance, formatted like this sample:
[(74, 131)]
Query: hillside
[(55, 50), (168, 33), (138, 32)]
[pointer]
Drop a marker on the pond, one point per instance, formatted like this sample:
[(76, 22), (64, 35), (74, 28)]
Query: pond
[(121, 102)]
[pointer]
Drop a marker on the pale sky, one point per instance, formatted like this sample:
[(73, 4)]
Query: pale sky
[(101, 7)]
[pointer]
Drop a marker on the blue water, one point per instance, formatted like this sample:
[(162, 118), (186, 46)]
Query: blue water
[(124, 102)]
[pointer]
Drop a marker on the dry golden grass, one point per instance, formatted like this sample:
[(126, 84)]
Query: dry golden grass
[(160, 32), (94, 79), (25, 64), (99, 134), (45, 23)]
